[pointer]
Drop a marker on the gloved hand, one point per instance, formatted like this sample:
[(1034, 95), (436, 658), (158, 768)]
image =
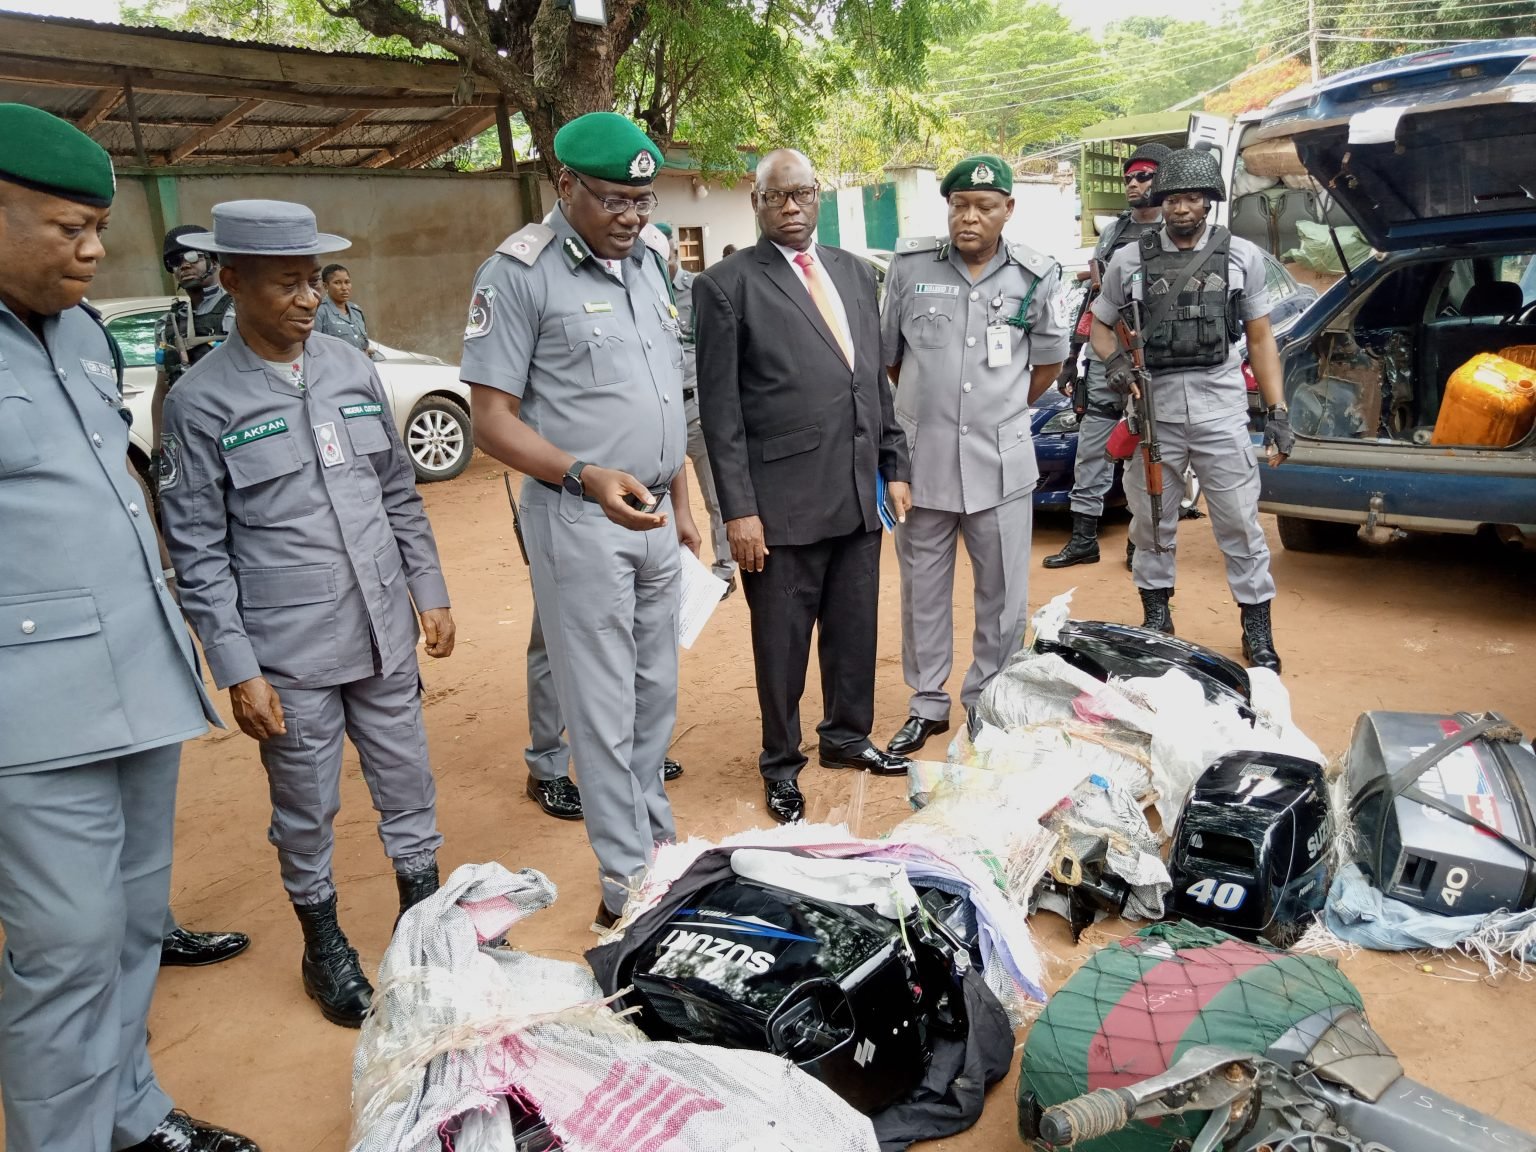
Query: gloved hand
[(1120, 371), (1068, 377), (1278, 435)]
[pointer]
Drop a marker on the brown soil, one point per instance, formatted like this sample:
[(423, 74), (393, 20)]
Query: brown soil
[(1423, 624)]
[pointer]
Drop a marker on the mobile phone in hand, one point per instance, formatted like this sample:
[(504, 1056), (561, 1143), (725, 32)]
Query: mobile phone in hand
[(640, 505)]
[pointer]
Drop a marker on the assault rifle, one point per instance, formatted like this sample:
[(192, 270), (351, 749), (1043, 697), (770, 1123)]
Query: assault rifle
[(1082, 328), (1142, 417)]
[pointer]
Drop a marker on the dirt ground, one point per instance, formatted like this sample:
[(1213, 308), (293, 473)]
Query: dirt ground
[(1421, 624)]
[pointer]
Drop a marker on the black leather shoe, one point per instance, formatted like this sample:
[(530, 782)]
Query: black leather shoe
[(185, 949), (870, 758), (914, 734), (333, 978), (178, 1132), (558, 797), (670, 770), (786, 803), (604, 920), (729, 588)]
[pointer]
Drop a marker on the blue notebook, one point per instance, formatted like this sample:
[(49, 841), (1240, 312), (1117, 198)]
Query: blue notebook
[(883, 504)]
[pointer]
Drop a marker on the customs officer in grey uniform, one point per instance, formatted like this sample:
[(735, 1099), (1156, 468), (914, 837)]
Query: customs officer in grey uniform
[(1200, 289), (290, 510), (575, 361), (548, 756), (98, 685), (1098, 406), (972, 332)]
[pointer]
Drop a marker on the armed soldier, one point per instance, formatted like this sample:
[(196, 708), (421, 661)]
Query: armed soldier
[(1098, 407), (1199, 290), (195, 325)]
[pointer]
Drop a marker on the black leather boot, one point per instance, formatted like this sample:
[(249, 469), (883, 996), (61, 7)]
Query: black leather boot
[(414, 887), (1154, 607), (1082, 548), (1130, 555), (1258, 639), (333, 978)]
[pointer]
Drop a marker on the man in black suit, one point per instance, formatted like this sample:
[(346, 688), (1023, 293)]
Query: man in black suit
[(798, 420)]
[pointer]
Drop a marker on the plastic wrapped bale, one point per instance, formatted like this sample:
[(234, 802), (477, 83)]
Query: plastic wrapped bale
[(460, 1028), (1134, 1007)]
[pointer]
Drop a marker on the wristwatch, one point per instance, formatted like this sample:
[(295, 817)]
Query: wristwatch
[(571, 481), (1273, 408)]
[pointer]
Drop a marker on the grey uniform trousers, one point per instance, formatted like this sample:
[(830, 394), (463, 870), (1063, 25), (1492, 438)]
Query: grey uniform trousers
[(548, 756), (85, 876), (1093, 472), (723, 566), (608, 602), (997, 542), (1223, 460), (382, 715)]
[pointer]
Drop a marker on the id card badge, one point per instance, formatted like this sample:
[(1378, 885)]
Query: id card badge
[(999, 346), (330, 449)]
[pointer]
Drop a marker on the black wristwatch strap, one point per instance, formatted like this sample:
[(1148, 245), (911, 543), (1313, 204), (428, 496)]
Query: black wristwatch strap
[(571, 481)]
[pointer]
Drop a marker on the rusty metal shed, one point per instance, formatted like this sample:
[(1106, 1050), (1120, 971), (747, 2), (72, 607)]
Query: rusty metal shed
[(156, 98)]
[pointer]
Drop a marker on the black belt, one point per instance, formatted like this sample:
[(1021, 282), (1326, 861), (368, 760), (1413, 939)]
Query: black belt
[(661, 491), (689, 393)]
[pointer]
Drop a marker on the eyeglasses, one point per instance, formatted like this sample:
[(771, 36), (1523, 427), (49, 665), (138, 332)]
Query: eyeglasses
[(1139, 177), (775, 197), (618, 205), (176, 259)]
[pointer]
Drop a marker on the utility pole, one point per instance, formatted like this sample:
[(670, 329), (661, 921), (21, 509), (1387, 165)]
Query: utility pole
[(1317, 73)]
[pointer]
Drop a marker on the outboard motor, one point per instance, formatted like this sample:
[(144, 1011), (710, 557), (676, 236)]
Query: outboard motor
[(850, 996), (1250, 849), (1443, 805), (1103, 649)]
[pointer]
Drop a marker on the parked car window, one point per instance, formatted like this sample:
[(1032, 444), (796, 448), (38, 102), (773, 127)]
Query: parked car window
[(1279, 283), (135, 336)]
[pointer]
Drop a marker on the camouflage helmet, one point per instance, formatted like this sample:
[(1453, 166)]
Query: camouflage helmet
[(1152, 152), (1188, 170)]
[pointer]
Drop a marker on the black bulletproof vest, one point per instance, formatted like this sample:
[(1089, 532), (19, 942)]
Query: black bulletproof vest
[(207, 332), (1193, 332), (1122, 232)]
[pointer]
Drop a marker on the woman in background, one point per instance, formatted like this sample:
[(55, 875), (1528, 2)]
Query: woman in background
[(337, 315)]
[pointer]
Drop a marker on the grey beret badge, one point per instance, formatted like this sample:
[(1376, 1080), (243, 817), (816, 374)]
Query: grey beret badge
[(982, 174), (169, 471), (643, 166), (481, 312)]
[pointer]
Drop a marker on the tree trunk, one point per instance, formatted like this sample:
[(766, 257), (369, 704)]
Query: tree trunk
[(552, 69)]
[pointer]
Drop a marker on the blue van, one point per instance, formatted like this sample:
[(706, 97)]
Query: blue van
[(1433, 156)]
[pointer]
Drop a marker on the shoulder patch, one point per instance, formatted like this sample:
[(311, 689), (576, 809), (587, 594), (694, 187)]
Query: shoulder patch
[(656, 240), (169, 473), (1023, 254), (526, 245), (907, 245), (482, 311)]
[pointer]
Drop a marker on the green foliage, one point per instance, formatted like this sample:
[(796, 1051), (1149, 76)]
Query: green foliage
[(299, 23)]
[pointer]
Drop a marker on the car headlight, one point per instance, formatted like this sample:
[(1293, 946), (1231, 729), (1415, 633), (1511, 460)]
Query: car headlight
[(1063, 422)]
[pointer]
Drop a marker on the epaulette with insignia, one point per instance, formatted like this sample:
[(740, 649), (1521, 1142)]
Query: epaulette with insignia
[(1029, 258), (656, 240), (527, 244), (907, 245)]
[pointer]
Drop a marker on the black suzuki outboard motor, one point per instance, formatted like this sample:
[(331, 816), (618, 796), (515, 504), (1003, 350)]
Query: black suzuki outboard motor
[(850, 996)]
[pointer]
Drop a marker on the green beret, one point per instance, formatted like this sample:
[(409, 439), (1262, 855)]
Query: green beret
[(42, 152), (609, 147), (664, 228), (979, 174)]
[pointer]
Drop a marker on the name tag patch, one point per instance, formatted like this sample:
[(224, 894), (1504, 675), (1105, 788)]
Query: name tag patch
[(97, 368), (353, 411), (255, 432), (936, 289), (598, 306)]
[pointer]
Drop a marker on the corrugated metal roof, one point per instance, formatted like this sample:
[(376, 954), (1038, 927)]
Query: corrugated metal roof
[(202, 100)]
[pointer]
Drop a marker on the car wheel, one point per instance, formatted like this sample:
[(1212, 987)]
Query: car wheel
[(438, 439), (1301, 535)]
